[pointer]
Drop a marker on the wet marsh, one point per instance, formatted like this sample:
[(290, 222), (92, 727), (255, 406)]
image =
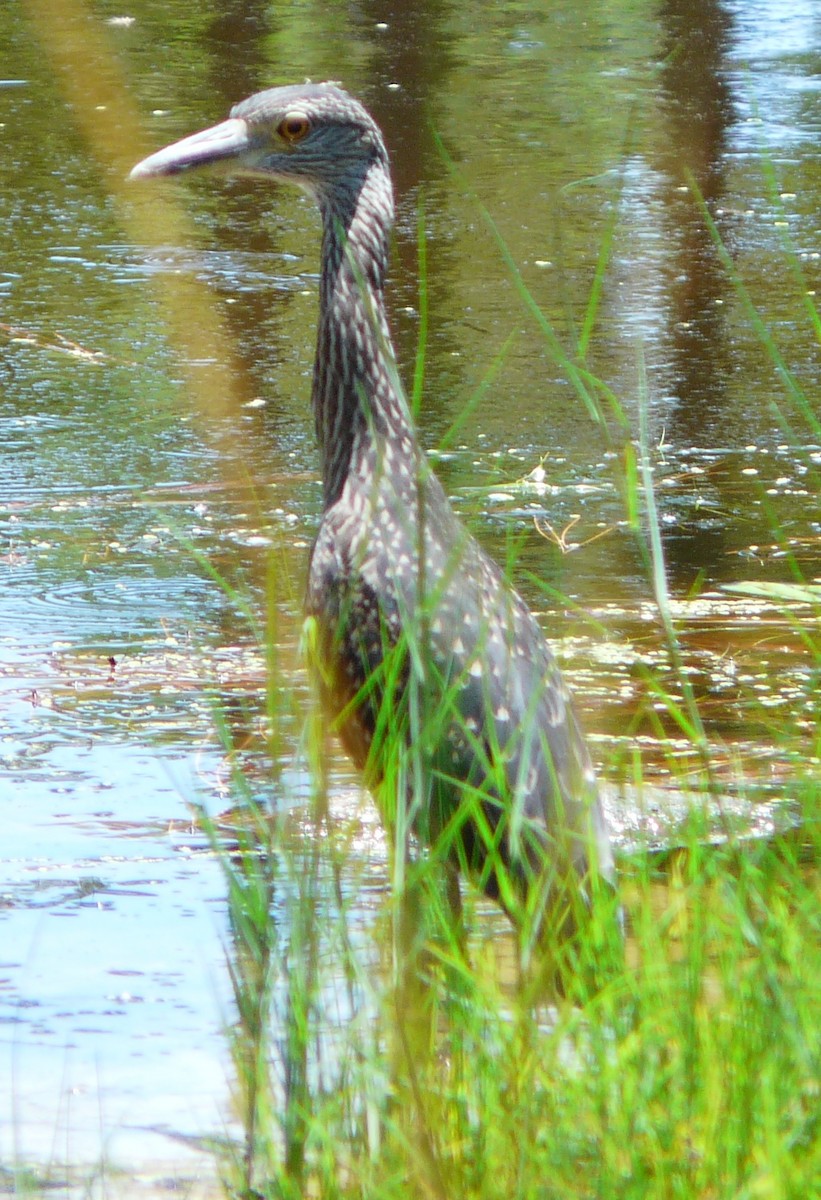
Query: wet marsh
[(158, 496)]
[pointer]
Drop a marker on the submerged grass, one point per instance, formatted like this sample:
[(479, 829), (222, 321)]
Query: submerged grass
[(392, 1056)]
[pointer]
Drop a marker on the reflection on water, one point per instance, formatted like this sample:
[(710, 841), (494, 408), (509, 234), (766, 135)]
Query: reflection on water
[(156, 357)]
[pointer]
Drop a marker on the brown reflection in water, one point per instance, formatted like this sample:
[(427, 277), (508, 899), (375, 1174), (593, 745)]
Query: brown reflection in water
[(411, 57), (696, 112), (235, 40), (237, 65), (410, 60)]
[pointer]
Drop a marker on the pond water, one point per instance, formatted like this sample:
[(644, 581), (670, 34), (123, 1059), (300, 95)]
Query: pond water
[(156, 349)]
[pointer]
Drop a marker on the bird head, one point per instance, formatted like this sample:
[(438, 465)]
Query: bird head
[(313, 135)]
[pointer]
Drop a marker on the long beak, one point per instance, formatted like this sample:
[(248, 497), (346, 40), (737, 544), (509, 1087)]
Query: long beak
[(230, 139)]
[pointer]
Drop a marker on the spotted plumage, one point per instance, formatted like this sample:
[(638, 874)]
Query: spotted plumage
[(412, 614)]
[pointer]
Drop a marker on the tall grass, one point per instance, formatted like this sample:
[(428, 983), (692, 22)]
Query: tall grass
[(400, 1049)]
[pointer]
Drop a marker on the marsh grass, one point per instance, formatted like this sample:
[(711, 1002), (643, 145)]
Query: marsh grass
[(404, 1049), (409, 1067)]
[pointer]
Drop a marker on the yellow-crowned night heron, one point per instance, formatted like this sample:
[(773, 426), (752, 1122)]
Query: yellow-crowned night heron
[(417, 627)]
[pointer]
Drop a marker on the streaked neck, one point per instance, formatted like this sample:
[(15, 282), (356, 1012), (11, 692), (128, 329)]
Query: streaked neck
[(357, 398)]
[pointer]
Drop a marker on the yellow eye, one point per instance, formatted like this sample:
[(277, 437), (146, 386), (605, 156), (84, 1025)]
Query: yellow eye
[(294, 127)]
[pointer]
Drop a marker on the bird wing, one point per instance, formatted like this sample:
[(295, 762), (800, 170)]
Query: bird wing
[(476, 685)]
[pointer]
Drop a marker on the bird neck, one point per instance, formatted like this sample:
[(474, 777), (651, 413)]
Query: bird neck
[(359, 404)]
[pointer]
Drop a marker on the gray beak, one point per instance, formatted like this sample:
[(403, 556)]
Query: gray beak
[(227, 140)]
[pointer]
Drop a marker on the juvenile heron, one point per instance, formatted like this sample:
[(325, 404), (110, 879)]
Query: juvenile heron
[(417, 628)]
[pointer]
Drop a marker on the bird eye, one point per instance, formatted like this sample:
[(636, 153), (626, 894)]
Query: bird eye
[(294, 127)]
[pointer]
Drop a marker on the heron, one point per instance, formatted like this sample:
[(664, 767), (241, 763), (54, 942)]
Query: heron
[(437, 676)]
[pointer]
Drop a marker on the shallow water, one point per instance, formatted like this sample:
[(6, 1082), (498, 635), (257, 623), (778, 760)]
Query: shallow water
[(154, 380)]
